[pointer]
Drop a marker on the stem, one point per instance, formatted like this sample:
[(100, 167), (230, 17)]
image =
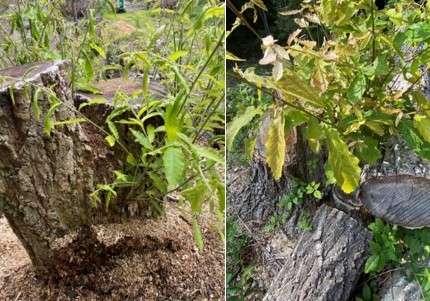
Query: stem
[(208, 117), (373, 29), (231, 6), (221, 39), (283, 100)]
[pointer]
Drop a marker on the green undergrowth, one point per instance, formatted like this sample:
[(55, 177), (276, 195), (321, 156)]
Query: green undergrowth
[(238, 273), (398, 249), (160, 140)]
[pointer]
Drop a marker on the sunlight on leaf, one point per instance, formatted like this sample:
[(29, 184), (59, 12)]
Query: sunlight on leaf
[(275, 145), (344, 163)]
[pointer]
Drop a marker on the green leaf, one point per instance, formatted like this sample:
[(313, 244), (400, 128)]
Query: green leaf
[(379, 67), (111, 140), (249, 147), (36, 102), (294, 118), (181, 80), (142, 57), (150, 130), (196, 196), (369, 150), (422, 124), (117, 112), (344, 163), (158, 181), (197, 234), (314, 134), (99, 49), (70, 121), (88, 66), (210, 153), (48, 117), (172, 123), (413, 139), (142, 139), (93, 101), (367, 293), (275, 145), (242, 120), (371, 264), (145, 83), (176, 55), (12, 95), (221, 196), (113, 129), (174, 165), (356, 89)]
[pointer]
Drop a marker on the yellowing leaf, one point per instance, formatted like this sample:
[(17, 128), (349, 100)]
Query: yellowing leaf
[(174, 164), (319, 80), (376, 127), (230, 56), (422, 124), (290, 84), (344, 163), (260, 4), (275, 145), (291, 12)]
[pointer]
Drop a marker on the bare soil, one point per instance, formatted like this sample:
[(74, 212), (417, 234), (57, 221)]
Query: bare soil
[(137, 260)]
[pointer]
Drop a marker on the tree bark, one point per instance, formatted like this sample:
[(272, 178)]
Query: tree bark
[(325, 263), (45, 181)]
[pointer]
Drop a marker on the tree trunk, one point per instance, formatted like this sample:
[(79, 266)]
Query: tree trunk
[(325, 263), (45, 181)]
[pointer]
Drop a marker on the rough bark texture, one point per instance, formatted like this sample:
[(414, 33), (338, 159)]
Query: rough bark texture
[(254, 194), (325, 263), (45, 181)]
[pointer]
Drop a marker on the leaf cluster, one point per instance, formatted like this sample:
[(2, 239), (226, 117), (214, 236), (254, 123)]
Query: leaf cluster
[(399, 248), (161, 138), (353, 91), (299, 191)]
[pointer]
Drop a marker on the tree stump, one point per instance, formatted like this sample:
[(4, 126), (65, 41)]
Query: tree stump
[(45, 181), (325, 263)]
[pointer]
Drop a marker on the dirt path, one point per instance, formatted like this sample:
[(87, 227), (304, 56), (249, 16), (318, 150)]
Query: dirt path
[(159, 261)]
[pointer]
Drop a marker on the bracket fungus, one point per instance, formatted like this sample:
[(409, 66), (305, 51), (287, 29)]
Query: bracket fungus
[(402, 200)]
